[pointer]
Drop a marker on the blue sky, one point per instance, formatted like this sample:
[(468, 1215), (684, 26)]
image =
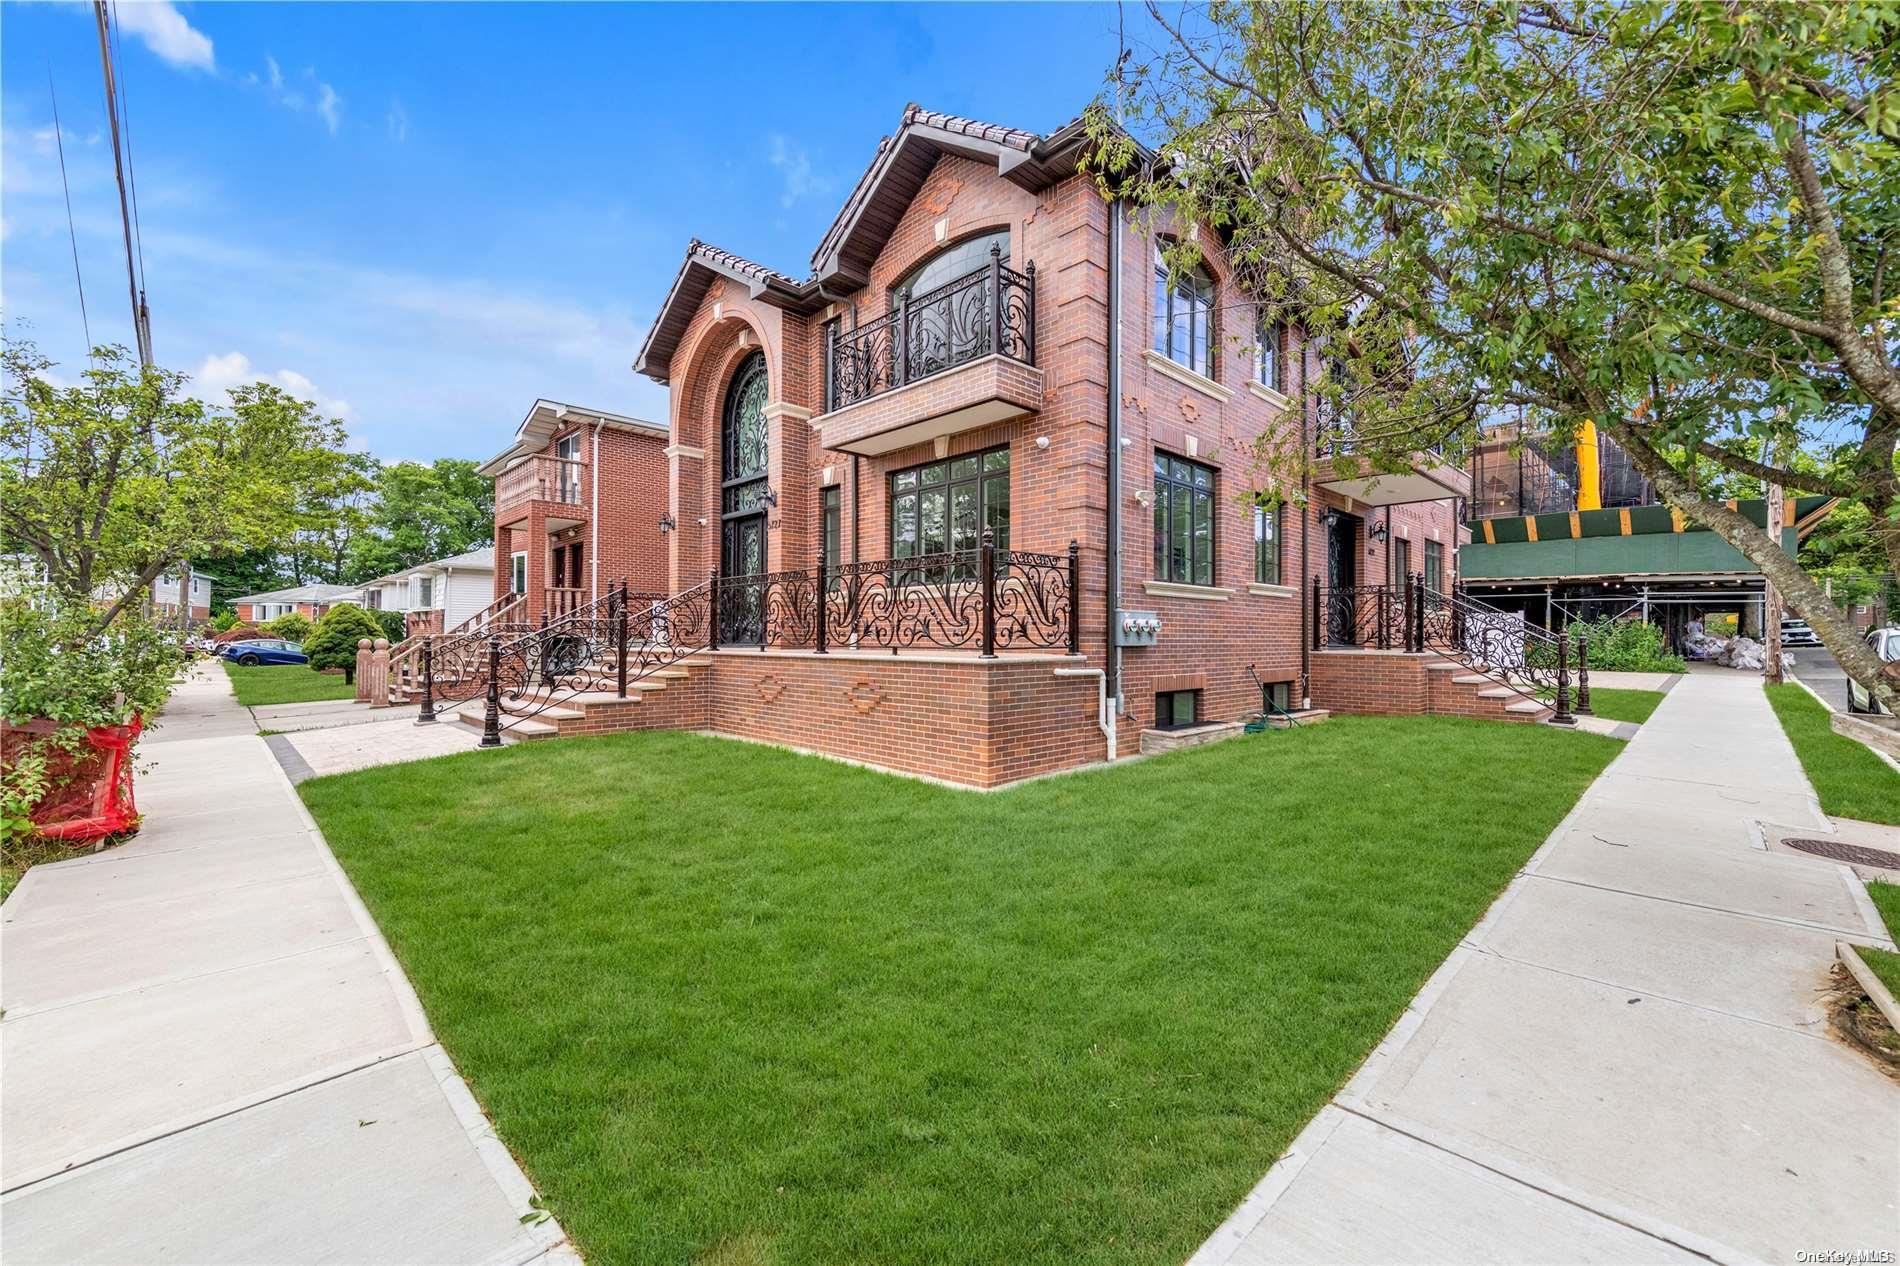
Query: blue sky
[(423, 216)]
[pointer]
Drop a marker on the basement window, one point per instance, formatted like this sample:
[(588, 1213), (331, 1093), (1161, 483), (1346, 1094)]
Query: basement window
[(1177, 709)]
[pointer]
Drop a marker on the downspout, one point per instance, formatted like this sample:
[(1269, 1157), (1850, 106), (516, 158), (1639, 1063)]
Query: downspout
[(1104, 718), (1112, 586), (1307, 519), (593, 515)]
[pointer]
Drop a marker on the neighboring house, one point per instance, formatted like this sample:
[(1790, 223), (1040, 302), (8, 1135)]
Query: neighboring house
[(579, 498), (437, 595), (165, 596), (1565, 528), (984, 346), (306, 600)]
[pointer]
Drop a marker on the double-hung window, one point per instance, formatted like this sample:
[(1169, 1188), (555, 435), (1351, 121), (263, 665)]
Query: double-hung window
[(1184, 316), (1184, 520), (1270, 360), (943, 507), (1267, 524)]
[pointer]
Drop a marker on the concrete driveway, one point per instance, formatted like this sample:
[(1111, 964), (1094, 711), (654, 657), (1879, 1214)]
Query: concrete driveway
[(211, 1055), (1628, 1059)]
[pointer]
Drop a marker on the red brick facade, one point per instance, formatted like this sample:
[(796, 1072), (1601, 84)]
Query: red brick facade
[(972, 722)]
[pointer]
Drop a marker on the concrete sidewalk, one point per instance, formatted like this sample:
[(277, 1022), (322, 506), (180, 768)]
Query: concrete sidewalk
[(1628, 1059), (210, 1054)]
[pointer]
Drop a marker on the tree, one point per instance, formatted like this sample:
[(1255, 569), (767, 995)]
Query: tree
[(337, 510), (113, 482), (1673, 221), (423, 513), (292, 626), (332, 644)]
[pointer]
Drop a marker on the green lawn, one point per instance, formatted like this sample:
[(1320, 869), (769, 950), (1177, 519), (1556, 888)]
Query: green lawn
[(285, 683), (1624, 705), (734, 1005), (1851, 781), (1885, 964)]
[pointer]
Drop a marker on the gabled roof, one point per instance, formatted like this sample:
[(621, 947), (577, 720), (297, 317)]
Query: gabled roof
[(545, 417), (705, 264), (473, 560), (842, 262)]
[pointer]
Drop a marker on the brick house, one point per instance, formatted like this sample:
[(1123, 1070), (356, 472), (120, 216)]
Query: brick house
[(579, 495), (939, 387)]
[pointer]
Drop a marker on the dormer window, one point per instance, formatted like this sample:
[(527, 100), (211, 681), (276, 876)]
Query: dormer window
[(1184, 316)]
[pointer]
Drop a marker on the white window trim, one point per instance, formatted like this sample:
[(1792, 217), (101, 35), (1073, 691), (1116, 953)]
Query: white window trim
[(1174, 369), (522, 556)]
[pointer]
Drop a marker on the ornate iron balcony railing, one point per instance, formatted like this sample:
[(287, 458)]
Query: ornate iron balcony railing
[(990, 311)]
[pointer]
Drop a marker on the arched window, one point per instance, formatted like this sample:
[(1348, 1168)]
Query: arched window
[(949, 264), (1184, 316), (742, 437)]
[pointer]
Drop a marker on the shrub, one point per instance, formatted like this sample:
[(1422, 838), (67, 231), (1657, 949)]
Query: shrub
[(1629, 646), (332, 644), (239, 633), (292, 626), (392, 622), (224, 620)]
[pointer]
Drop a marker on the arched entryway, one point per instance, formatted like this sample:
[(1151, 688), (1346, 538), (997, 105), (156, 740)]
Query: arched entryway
[(744, 450)]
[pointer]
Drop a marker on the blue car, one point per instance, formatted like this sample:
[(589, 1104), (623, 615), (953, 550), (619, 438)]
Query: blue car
[(264, 650)]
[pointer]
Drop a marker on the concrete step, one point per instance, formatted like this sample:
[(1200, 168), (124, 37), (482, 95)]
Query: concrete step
[(1526, 707), (513, 727), (1498, 692), (1471, 679), (591, 697)]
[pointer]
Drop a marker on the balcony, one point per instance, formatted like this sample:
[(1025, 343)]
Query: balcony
[(1428, 477), (558, 483), (953, 359)]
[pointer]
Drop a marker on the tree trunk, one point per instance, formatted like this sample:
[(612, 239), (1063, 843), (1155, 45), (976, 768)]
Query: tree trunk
[(1801, 594)]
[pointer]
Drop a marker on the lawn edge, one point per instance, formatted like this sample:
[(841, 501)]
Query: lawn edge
[(1876, 988)]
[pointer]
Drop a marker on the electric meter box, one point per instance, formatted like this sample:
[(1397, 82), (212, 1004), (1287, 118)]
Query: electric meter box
[(1137, 628)]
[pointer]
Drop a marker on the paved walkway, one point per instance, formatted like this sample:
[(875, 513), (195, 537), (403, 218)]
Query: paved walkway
[(1627, 1060), (210, 1054)]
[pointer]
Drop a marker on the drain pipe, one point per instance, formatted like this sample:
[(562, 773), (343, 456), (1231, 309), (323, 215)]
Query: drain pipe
[(593, 546), (1112, 589), (1104, 718)]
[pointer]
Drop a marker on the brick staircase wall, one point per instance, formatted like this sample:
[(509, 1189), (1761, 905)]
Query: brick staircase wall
[(1401, 683)]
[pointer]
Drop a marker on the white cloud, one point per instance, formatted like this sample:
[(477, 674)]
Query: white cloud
[(164, 30), (794, 167), (219, 374), (398, 121), (304, 92)]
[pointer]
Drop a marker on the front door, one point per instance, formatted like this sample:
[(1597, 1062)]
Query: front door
[(1341, 576), (741, 554)]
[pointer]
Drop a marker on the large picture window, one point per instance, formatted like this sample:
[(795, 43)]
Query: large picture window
[(944, 506), (949, 264), (1184, 521), (1184, 316), (1266, 543)]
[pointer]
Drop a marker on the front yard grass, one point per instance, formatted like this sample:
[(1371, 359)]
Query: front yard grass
[(730, 1004), (284, 683), (1851, 781), (1617, 704), (1884, 963)]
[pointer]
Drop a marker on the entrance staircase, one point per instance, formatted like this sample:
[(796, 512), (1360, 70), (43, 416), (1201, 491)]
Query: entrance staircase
[(1456, 688), (591, 703)]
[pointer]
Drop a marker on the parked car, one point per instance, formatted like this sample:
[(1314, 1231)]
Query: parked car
[(264, 650), (1885, 644), (1797, 633)]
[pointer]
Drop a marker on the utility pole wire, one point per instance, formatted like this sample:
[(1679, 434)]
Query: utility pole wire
[(131, 156), (140, 333), (72, 234)]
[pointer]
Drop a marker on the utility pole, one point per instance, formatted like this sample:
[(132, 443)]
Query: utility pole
[(141, 316)]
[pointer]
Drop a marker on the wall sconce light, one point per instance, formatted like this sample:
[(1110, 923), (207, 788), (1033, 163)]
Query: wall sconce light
[(770, 498), (1380, 533), (1330, 519), (667, 523), (1145, 497)]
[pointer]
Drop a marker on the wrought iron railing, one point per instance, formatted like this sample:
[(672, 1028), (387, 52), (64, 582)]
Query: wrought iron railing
[(506, 613), (990, 311), (988, 600), (1498, 644)]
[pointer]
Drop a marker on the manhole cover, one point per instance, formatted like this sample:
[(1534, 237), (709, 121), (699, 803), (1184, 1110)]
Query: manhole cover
[(1854, 854)]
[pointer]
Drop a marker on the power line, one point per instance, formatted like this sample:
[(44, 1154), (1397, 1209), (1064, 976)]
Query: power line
[(72, 234)]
